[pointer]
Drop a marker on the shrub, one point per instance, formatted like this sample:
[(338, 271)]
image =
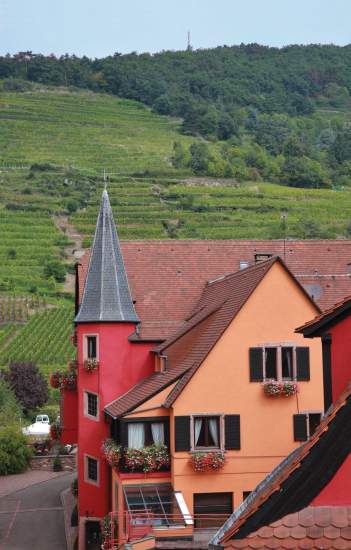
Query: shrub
[(74, 487), (54, 268), (57, 465), (28, 383), (14, 452)]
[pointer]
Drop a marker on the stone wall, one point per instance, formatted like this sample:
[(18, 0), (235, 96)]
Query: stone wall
[(46, 463)]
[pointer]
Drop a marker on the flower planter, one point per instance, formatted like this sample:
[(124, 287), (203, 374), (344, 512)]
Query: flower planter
[(149, 459), (273, 388), (112, 452), (66, 380), (91, 364), (207, 461)]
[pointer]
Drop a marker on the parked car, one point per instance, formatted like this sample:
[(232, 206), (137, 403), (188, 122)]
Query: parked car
[(41, 426)]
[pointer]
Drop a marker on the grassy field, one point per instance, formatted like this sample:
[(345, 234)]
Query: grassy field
[(68, 139)]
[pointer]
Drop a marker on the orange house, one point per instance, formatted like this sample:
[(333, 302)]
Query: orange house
[(234, 391)]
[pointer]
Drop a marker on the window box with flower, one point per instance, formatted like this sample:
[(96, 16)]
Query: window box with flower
[(112, 452), (274, 388), (64, 380), (91, 364), (207, 461)]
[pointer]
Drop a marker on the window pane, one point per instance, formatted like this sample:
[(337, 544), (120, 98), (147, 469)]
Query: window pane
[(136, 435), (92, 469), (271, 363), (314, 421), (91, 347), (206, 431), (287, 363), (92, 404)]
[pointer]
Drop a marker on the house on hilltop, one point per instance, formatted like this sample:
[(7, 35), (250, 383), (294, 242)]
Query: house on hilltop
[(188, 366)]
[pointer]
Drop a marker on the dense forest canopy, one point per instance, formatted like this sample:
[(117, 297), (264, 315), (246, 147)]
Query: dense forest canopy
[(267, 106)]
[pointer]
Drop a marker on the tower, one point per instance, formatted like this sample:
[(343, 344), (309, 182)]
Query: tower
[(108, 363)]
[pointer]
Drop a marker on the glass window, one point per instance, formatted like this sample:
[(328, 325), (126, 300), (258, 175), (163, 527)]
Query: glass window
[(91, 347), (206, 431), (92, 404), (271, 363), (313, 422), (92, 469), (287, 364), (143, 434), (155, 504)]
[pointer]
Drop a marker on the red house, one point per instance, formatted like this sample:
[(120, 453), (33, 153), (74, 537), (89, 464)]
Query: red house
[(305, 503)]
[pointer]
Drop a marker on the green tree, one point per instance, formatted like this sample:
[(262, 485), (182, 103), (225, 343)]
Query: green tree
[(54, 268), (304, 172), (341, 148), (200, 157), (14, 452)]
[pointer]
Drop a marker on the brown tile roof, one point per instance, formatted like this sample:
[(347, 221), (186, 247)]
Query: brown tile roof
[(167, 277), (310, 529), (326, 318), (292, 486), (220, 303)]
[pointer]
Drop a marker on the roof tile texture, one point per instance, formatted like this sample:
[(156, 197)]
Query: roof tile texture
[(167, 277), (323, 532)]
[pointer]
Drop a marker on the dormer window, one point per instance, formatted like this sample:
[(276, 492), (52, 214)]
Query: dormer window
[(163, 363)]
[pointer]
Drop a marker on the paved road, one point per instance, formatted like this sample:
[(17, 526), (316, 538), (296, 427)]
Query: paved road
[(32, 519)]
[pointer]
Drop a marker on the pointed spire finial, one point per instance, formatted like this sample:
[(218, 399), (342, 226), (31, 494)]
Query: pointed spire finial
[(106, 295), (105, 180)]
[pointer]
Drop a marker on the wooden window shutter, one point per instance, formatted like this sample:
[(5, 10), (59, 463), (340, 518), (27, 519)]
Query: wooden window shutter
[(123, 433), (303, 364), (300, 427), (232, 432), (182, 433), (256, 364)]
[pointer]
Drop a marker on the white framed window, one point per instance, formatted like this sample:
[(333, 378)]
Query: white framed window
[(91, 346), (91, 470), (279, 362), (91, 405), (207, 431)]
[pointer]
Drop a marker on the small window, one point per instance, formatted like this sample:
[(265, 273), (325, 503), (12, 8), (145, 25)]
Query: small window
[(91, 469), (271, 363), (91, 347), (206, 432), (314, 420), (246, 494), (91, 404), (144, 434), (287, 364)]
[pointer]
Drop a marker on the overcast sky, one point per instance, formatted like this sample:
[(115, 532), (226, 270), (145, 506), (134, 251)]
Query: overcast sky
[(100, 27)]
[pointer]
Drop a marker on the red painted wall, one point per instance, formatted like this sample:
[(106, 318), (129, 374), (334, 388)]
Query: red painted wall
[(340, 356), (122, 365), (338, 490), (69, 417)]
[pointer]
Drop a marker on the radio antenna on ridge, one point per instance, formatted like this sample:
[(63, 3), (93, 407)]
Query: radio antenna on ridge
[(189, 46)]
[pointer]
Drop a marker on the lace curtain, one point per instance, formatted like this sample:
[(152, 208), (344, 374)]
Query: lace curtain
[(157, 430), (213, 425), (136, 435), (198, 426)]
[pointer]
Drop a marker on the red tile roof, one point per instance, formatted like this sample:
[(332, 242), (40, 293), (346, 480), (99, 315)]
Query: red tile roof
[(327, 317), (312, 528), (220, 303), (167, 277), (270, 512)]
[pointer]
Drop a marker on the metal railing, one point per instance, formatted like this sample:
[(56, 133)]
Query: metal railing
[(129, 526)]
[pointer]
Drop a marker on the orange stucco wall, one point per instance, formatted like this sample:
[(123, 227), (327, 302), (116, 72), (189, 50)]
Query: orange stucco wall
[(222, 386)]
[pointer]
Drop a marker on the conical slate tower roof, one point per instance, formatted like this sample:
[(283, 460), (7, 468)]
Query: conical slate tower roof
[(106, 294)]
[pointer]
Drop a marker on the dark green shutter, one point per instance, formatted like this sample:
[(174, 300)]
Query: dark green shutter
[(256, 364), (182, 433), (123, 433), (300, 427), (303, 364), (232, 432)]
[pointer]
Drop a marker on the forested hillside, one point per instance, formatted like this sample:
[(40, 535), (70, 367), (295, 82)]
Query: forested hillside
[(277, 114)]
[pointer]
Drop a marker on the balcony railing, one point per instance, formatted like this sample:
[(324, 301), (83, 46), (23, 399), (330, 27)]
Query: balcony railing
[(129, 526)]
